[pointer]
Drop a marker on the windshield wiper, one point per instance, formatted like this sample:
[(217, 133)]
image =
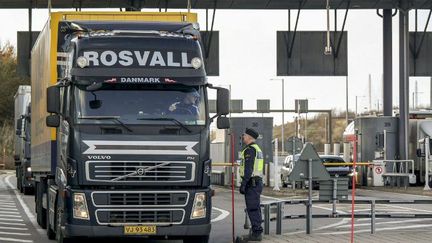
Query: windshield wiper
[(114, 118), (166, 119)]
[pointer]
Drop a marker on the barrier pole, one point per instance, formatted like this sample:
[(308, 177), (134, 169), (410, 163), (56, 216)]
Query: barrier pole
[(232, 186), (267, 219), (353, 187), (279, 218)]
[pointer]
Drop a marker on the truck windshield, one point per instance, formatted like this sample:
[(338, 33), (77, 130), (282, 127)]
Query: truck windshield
[(138, 104)]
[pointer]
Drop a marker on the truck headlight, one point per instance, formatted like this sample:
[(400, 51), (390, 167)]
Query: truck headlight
[(199, 206), (196, 62), (82, 62), (80, 210), (28, 169)]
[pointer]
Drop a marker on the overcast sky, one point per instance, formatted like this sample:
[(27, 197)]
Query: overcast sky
[(248, 56)]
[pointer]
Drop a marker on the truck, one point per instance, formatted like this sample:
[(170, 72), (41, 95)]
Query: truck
[(120, 131), (22, 140)]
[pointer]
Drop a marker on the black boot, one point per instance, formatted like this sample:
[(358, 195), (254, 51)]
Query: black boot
[(242, 239), (255, 237)]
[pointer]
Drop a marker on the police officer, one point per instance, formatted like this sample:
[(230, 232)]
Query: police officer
[(251, 171)]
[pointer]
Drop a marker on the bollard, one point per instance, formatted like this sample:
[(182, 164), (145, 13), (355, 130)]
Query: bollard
[(279, 217), (373, 217), (327, 149), (267, 219), (336, 149), (347, 151), (334, 213)]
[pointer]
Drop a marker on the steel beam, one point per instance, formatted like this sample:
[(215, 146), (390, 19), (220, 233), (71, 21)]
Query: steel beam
[(387, 63), (403, 82)]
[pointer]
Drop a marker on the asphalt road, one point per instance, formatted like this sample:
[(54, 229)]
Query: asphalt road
[(18, 223)]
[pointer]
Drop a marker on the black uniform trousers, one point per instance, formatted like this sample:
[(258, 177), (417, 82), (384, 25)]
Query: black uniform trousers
[(252, 199)]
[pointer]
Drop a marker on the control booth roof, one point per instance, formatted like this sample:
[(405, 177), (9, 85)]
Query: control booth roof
[(220, 4)]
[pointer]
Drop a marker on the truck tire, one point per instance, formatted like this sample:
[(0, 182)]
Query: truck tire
[(196, 239), (51, 234), (59, 222), (41, 212), (19, 184), (27, 190)]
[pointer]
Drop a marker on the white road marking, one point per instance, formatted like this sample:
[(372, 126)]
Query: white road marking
[(12, 228), (8, 206), (272, 198), (13, 233), (402, 195), (14, 220), (328, 209), (386, 223), (9, 216), (14, 224), (7, 203), (379, 229), (15, 240), (9, 209), (410, 209), (27, 211), (8, 212), (368, 219), (223, 214), (341, 222)]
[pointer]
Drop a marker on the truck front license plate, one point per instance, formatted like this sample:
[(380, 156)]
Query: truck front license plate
[(140, 230)]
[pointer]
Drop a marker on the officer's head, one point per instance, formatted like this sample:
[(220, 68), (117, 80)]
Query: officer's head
[(191, 97), (249, 136)]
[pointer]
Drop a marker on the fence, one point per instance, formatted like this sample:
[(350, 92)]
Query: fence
[(278, 207)]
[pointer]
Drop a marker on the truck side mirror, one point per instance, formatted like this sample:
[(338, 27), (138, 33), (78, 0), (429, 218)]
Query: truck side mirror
[(53, 99), (53, 121), (222, 103), (18, 126), (223, 122)]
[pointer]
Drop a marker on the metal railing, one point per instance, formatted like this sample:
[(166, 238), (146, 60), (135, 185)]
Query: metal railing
[(278, 207)]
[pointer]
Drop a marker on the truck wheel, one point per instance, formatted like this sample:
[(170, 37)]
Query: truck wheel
[(41, 212), (50, 232), (19, 185), (196, 239), (28, 190), (59, 222), (284, 184)]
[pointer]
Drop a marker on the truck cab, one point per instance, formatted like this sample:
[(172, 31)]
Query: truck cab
[(22, 153)]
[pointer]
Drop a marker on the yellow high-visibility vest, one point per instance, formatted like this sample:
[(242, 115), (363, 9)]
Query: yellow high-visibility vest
[(258, 162)]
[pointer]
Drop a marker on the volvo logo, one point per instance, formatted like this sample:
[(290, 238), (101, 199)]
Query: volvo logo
[(140, 171)]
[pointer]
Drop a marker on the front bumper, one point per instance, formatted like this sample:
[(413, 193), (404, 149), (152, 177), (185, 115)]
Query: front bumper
[(174, 231), (98, 226)]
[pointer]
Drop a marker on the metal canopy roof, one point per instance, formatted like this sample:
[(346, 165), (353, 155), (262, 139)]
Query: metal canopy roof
[(221, 4)]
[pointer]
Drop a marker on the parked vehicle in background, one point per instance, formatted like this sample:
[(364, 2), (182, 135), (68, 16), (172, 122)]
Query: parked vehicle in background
[(342, 171), (22, 159), (288, 166)]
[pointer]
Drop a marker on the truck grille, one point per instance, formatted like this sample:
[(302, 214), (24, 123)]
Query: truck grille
[(139, 198), (140, 171), (139, 216)]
